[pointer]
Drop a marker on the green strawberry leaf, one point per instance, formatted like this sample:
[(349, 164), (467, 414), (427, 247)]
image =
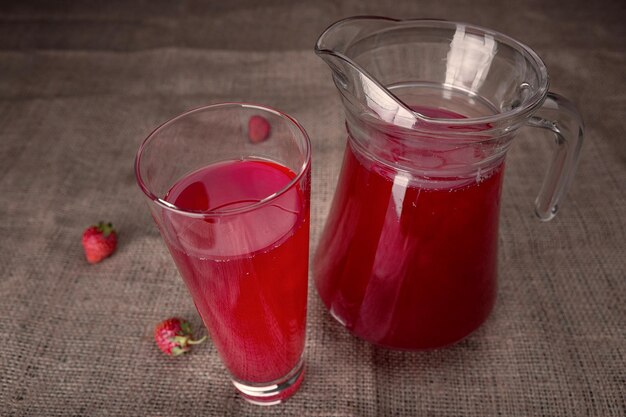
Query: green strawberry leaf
[(185, 327), (178, 351), (181, 340)]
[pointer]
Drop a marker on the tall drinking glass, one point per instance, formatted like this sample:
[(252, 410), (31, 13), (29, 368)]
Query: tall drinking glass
[(232, 206)]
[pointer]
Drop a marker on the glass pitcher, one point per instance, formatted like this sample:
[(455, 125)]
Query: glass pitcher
[(408, 256)]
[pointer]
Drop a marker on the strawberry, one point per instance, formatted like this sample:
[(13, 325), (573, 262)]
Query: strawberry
[(258, 129), (173, 336), (99, 241)]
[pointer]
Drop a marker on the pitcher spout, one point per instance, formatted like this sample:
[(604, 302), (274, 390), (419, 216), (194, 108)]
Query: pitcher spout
[(336, 46)]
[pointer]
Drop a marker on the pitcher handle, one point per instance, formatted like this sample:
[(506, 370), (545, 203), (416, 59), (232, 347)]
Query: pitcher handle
[(560, 116)]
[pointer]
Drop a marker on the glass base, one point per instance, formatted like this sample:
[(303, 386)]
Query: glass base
[(274, 392)]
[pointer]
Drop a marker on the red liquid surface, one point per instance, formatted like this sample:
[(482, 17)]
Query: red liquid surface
[(247, 272), (410, 263)]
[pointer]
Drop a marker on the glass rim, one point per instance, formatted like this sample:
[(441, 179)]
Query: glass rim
[(532, 103), (220, 213)]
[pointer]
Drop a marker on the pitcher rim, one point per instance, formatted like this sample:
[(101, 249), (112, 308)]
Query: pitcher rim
[(529, 105)]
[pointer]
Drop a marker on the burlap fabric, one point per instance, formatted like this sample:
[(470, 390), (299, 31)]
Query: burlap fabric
[(82, 83)]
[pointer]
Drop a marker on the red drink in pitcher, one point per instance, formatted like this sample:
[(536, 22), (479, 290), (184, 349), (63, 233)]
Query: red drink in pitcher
[(409, 262), (408, 256), (247, 271)]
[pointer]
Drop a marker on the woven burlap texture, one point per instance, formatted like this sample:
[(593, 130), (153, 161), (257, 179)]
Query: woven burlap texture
[(81, 85)]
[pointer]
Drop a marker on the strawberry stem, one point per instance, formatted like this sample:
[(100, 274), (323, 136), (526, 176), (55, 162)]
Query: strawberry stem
[(196, 342)]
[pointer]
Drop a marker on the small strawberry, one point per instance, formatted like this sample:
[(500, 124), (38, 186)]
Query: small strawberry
[(173, 336), (99, 241), (258, 129)]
